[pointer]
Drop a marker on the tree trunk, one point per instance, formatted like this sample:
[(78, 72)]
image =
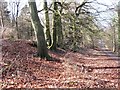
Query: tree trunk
[(16, 22), (114, 40), (16, 28), (60, 33), (38, 28), (74, 34), (57, 26), (2, 21), (92, 39), (119, 36), (54, 44), (119, 29), (48, 36)]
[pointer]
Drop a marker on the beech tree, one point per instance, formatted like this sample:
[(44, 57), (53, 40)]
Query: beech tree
[(38, 28), (57, 25), (54, 44), (48, 36)]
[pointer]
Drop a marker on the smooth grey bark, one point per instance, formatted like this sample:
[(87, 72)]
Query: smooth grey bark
[(38, 28)]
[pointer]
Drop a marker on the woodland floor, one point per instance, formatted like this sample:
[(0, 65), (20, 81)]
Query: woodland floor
[(98, 68)]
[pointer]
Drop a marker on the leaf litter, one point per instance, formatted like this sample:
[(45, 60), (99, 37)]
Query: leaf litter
[(70, 70)]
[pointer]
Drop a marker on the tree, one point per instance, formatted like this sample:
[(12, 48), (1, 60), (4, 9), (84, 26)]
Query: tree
[(57, 25), (4, 17), (48, 36), (119, 28), (16, 18), (54, 44), (38, 28), (25, 26), (1, 15), (79, 26), (113, 33), (15, 6), (4, 14)]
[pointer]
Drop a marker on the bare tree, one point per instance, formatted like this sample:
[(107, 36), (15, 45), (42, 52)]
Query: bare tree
[(41, 43), (15, 6)]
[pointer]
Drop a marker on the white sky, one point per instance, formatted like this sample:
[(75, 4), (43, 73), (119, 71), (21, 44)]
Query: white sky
[(100, 8), (40, 2), (107, 2)]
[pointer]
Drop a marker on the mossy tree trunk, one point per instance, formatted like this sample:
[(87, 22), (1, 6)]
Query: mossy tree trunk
[(48, 35), (54, 44), (74, 34), (38, 28), (59, 28)]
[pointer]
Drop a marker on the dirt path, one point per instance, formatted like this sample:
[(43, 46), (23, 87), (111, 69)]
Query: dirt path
[(105, 51), (100, 68)]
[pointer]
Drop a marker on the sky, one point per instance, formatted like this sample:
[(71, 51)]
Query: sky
[(105, 15), (107, 2)]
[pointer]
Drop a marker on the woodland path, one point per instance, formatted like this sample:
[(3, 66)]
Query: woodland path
[(101, 66)]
